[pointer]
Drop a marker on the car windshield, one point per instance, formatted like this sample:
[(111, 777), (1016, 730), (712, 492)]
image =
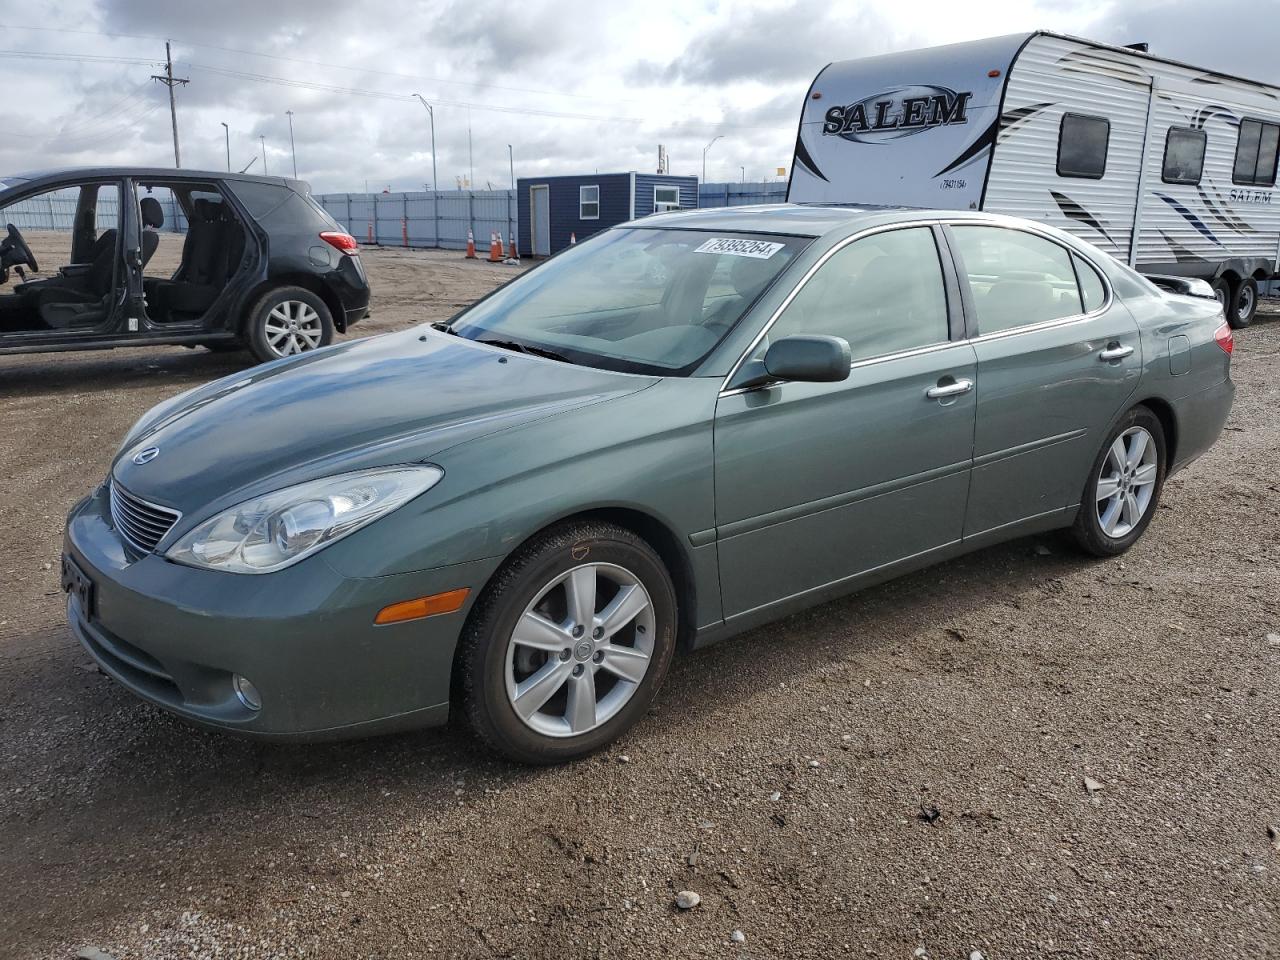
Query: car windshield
[(637, 300)]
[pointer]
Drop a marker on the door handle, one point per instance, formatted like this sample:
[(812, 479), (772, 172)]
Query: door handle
[(1115, 351), (944, 390)]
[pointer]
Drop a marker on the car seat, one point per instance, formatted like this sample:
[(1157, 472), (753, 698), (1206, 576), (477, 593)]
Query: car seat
[(210, 255), (66, 306)]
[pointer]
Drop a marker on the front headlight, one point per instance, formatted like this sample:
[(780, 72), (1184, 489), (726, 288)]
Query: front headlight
[(277, 530)]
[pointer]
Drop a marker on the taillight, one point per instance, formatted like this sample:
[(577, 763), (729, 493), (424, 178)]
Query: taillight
[(1223, 338), (343, 242)]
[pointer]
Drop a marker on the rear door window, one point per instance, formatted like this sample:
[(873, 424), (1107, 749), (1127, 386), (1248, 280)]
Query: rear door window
[(1016, 278), (884, 294)]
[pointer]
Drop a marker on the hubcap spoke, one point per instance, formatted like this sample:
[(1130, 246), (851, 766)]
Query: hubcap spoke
[(537, 689), (538, 632), (622, 609), (1144, 475), (1137, 447), (625, 662), (1111, 515), (1119, 455), (1108, 487), (580, 594), (580, 707), (1131, 512)]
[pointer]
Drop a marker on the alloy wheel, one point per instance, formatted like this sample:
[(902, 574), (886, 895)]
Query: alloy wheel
[(293, 326), (580, 650), (1245, 302), (1127, 482)]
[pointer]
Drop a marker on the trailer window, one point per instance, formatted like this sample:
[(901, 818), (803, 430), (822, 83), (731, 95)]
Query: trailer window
[(1183, 155), (1256, 154), (589, 203), (1082, 146)]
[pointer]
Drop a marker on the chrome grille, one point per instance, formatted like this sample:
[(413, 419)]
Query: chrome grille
[(141, 524)]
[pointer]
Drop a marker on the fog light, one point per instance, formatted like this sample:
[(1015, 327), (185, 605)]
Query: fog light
[(246, 692)]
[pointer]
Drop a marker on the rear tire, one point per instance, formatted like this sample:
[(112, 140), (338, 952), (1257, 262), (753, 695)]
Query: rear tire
[(1224, 291), (287, 321), (588, 664), (1122, 492), (1244, 304)]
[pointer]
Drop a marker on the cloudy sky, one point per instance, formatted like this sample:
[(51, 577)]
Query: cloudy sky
[(571, 85)]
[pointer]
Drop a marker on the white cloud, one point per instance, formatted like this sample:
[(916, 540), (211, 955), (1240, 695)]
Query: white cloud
[(572, 85)]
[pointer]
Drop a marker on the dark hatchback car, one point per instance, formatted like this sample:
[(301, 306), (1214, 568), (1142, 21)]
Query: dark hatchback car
[(263, 266)]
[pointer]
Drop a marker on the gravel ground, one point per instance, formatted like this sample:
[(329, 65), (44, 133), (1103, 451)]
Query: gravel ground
[(896, 772)]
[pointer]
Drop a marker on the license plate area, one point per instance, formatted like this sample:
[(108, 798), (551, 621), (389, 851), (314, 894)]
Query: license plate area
[(75, 581)]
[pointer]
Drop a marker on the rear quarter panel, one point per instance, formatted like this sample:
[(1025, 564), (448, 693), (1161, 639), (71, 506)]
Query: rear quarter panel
[(1184, 367)]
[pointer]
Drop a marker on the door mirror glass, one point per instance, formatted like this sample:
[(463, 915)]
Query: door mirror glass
[(808, 359)]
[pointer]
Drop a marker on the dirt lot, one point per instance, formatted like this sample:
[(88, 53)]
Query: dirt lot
[(790, 777)]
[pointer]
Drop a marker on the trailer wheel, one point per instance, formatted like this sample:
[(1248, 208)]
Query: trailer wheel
[(1222, 289), (1245, 303)]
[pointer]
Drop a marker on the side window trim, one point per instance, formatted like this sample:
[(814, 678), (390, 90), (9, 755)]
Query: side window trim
[(968, 309), (957, 314)]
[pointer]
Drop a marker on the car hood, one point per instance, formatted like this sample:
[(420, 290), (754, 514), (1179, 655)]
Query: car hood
[(399, 398)]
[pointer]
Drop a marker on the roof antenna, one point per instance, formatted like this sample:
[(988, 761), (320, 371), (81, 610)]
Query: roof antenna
[(1143, 47)]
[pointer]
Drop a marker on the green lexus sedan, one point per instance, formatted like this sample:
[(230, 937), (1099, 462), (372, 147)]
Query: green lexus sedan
[(682, 428)]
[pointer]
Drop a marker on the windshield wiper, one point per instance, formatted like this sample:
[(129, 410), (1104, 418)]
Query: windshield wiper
[(444, 326), (526, 348)]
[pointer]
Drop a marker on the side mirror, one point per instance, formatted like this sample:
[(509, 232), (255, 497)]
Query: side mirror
[(808, 359)]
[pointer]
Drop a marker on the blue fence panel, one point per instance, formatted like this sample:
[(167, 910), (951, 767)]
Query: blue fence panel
[(425, 218), (741, 194)]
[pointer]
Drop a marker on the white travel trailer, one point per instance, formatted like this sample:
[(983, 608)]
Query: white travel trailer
[(1168, 167)]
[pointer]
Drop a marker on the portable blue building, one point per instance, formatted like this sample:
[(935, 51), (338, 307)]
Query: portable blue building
[(550, 209)]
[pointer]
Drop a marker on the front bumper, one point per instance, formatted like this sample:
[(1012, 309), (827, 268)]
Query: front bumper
[(304, 636)]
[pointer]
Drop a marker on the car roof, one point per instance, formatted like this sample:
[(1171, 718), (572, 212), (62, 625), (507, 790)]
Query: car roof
[(798, 219), (146, 173)]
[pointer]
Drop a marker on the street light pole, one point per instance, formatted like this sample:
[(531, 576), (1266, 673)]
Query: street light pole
[(435, 184), (744, 174), (292, 148), (263, 138), (704, 156), (227, 132)]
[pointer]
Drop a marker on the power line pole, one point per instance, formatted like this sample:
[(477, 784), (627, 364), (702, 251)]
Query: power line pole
[(170, 81), (292, 148)]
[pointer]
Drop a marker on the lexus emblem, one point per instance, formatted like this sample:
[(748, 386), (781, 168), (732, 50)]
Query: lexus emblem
[(146, 456)]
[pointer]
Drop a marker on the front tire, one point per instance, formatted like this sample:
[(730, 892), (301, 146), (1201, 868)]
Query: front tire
[(287, 321), (568, 645), (1123, 490), (1244, 304)]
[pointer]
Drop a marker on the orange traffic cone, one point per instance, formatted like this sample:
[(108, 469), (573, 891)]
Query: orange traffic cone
[(495, 248), (573, 237), (502, 254), (515, 251), (471, 245)]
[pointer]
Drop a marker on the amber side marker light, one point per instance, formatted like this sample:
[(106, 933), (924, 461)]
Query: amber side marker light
[(437, 603)]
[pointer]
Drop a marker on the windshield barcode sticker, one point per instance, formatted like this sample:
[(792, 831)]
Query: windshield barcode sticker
[(757, 249)]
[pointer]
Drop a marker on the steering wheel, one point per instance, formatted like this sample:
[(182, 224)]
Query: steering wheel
[(14, 252)]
